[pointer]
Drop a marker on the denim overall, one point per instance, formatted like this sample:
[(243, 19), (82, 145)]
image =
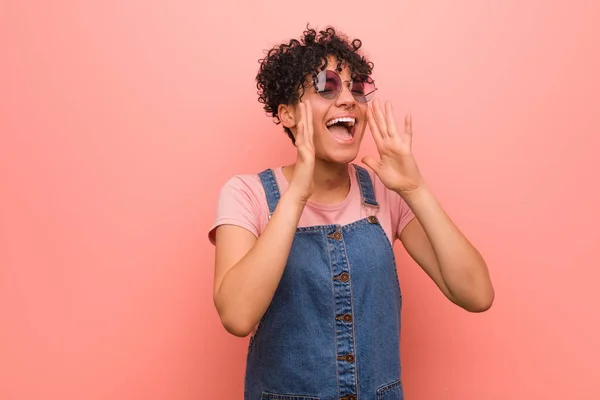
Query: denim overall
[(332, 330)]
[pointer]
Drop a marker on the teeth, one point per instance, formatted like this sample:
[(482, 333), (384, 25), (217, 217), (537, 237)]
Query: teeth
[(350, 121)]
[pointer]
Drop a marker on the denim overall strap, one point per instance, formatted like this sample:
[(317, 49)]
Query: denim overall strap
[(366, 186), (267, 178)]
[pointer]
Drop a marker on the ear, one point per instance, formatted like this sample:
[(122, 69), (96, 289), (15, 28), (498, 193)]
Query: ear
[(287, 115)]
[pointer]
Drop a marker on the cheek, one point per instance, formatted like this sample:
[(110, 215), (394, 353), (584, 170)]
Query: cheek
[(361, 129), (362, 113), (321, 135)]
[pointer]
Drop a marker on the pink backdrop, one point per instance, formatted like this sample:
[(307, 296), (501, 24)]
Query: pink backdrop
[(120, 120)]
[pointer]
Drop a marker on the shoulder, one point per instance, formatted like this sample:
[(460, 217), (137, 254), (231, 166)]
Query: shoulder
[(242, 202), (248, 183), (243, 189)]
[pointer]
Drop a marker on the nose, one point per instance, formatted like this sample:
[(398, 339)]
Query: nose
[(345, 99)]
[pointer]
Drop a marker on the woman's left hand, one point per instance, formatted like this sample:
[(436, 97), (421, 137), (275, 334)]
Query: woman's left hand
[(397, 168)]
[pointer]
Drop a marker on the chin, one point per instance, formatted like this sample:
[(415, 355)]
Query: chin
[(341, 156)]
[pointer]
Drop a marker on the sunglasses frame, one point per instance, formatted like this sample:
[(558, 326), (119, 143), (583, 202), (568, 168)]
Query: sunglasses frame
[(362, 98)]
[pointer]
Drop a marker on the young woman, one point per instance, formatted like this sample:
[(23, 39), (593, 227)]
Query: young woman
[(304, 258)]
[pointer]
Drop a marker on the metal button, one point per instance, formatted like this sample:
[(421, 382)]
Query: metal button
[(344, 277), (337, 235), (345, 318), (348, 358), (372, 219)]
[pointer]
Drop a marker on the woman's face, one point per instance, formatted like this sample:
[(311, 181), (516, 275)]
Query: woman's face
[(339, 122)]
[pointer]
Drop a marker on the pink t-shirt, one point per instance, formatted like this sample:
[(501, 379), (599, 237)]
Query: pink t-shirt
[(242, 202)]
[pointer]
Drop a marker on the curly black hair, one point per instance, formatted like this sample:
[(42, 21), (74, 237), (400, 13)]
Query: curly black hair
[(283, 71)]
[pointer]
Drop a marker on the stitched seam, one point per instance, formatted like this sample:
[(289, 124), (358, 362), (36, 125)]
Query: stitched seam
[(387, 388), (354, 319), (372, 185), (358, 178), (272, 192), (316, 228), (391, 249), (273, 396), (369, 182), (337, 373)]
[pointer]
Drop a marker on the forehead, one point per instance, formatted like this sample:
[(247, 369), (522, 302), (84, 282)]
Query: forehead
[(333, 64), (341, 67)]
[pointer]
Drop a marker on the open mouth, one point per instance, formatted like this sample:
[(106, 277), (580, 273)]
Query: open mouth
[(342, 128)]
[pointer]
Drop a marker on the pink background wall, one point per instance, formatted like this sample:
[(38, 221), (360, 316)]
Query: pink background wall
[(120, 121)]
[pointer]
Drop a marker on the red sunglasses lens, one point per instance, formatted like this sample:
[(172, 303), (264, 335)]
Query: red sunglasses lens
[(328, 84), (363, 88)]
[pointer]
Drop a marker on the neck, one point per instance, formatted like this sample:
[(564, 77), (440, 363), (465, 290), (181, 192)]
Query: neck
[(331, 181), (330, 176)]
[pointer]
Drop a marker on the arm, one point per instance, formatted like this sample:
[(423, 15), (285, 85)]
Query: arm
[(445, 254), (248, 270), (431, 239)]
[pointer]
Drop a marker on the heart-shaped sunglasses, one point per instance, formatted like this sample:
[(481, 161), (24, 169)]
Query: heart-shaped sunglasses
[(329, 85)]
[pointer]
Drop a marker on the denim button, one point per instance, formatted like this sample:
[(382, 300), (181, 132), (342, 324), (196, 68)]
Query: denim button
[(372, 219), (337, 235)]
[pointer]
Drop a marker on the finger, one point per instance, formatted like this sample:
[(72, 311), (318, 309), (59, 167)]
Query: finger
[(377, 136), (300, 125), (380, 118), (389, 118), (309, 123), (371, 163), (408, 125)]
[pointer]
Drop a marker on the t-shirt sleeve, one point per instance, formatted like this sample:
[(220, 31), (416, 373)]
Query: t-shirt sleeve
[(401, 212), (239, 204), (405, 216)]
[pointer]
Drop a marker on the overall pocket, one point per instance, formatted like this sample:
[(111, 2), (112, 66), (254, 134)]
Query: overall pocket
[(391, 391), (273, 396)]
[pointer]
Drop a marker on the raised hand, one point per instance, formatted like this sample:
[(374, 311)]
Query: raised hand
[(302, 181), (397, 168)]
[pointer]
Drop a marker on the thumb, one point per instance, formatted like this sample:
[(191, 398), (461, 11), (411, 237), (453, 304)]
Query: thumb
[(371, 163)]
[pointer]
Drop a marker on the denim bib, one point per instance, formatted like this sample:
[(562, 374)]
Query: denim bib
[(332, 330)]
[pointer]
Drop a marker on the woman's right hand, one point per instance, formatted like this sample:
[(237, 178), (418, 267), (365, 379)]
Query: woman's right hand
[(248, 270), (302, 181)]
